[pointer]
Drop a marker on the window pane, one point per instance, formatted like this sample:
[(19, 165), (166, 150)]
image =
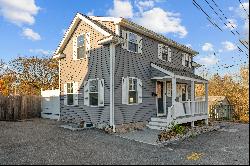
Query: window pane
[(164, 56), (130, 84), (70, 99), (132, 37), (93, 86), (135, 84), (132, 47), (69, 87), (93, 99), (80, 41), (80, 52), (132, 97)]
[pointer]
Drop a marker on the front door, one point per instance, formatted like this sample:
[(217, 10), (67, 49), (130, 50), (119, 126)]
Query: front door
[(160, 98)]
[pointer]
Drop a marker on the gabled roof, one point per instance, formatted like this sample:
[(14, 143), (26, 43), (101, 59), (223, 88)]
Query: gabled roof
[(93, 21), (145, 31), (95, 24)]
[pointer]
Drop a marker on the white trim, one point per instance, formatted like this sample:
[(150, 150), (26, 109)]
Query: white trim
[(175, 75), (160, 78), (117, 29), (71, 29), (162, 70), (112, 19)]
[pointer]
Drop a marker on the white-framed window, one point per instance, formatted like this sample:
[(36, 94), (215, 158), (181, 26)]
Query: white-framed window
[(80, 46), (132, 42), (94, 92), (181, 92), (71, 93), (131, 90), (186, 60), (164, 52)]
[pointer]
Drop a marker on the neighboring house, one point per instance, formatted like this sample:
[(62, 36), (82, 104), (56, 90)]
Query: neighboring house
[(113, 71), (219, 106)]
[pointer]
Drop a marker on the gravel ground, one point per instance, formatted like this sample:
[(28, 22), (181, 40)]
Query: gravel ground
[(42, 141)]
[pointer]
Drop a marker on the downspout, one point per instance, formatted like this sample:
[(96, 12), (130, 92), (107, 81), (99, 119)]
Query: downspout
[(112, 67)]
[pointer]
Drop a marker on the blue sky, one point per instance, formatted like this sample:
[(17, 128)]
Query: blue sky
[(35, 27)]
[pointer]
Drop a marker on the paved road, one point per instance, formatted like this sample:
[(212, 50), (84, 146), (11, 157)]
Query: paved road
[(43, 142)]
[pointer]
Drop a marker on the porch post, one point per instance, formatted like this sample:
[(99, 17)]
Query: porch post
[(206, 100), (192, 97), (206, 96), (173, 92)]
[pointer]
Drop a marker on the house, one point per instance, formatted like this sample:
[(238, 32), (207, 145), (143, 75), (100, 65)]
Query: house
[(113, 71)]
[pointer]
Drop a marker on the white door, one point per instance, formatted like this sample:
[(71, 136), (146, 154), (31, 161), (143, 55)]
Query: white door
[(50, 104)]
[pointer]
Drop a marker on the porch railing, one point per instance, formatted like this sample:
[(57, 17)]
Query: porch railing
[(192, 107)]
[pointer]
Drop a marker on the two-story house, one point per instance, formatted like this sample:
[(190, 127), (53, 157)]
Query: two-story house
[(113, 71)]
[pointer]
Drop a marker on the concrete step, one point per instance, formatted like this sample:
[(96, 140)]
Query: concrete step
[(155, 127), (160, 124), (159, 120)]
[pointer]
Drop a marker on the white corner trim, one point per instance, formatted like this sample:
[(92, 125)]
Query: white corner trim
[(71, 29)]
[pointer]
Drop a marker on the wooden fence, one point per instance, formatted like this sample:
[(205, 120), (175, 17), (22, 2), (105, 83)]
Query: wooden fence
[(221, 112), (19, 107)]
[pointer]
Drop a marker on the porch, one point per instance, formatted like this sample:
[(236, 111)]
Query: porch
[(175, 99)]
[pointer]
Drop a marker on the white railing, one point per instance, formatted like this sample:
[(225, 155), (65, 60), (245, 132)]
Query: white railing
[(191, 107), (200, 107)]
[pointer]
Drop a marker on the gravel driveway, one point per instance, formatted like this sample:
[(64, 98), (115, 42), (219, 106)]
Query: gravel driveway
[(41, 141)]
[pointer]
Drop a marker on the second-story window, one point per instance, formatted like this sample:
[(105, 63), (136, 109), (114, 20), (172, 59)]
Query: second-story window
[(80, 47), (132, 42), (165, 53)]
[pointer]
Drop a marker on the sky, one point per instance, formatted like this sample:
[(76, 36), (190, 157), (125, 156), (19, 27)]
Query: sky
[(35, 27)]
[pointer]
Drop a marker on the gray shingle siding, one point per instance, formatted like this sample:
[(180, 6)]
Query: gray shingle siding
[(139, 65)]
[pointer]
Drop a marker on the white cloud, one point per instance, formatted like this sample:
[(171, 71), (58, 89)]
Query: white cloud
[(189, 45), (207, 47), (40, 51), (228, 46), (162, 21), (208, 60), (19, 12), (231, 24), (121, 9), (30, 34), (90, 13), (143, 5)]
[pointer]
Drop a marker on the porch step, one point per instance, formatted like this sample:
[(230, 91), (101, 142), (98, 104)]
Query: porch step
[(155, 127), (158, 123)]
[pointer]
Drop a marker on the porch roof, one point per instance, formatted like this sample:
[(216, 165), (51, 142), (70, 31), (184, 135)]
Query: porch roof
[(159, 70)]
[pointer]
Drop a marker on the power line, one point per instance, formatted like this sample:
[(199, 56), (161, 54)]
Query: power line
[(244, 8)]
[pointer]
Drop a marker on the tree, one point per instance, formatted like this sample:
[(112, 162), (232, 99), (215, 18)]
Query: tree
[(34, 73)]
